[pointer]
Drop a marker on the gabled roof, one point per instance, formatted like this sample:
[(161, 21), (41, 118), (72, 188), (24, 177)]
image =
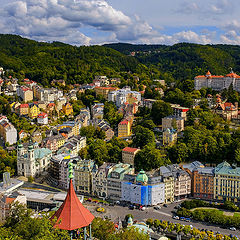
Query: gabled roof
[(129, 149), (124, 122), (72, 214), (24, 105), (42, 115)]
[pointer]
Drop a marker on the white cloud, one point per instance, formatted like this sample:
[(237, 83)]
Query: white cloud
[(203, 8), (64, 20), (231, 37), (61, 18)]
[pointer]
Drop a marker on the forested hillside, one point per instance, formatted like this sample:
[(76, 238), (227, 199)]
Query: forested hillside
[(46, 61), (43, 62), (185, 60)]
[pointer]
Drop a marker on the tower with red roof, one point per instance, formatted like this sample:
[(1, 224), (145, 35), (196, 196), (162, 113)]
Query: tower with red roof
[(72, 215)]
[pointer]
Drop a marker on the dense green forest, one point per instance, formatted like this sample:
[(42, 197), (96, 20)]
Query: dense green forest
[(43, 62), (185, 60)]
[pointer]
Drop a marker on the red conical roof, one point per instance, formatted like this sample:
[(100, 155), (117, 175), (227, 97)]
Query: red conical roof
[(72, 214)]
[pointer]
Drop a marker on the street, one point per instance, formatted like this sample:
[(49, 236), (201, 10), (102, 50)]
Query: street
[(114, 212)]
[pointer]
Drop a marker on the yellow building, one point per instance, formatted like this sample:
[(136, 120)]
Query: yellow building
[(60, 141), (124, 129), (34, 110), (74, 125), (168, 180), (227, 182), (23, 109), (67, 109)]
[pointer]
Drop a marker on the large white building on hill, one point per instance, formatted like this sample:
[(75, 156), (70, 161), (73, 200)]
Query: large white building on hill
[(217, 82)]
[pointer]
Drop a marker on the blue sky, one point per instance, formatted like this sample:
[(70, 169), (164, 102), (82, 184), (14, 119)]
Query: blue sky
[(86, 22)]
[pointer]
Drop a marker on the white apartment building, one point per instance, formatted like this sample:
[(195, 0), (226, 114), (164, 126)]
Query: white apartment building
[(7, 131), (122, 96)]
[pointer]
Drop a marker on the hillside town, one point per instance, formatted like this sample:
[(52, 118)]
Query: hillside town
[(58, 128)]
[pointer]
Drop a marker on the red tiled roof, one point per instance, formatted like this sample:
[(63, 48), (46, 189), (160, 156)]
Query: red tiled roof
[(232, 75), (51, 105), (9, 200), (129, 149), (72, 214), (124, 122), (227, 106), (25, 105), (113, 88), (42, 115)]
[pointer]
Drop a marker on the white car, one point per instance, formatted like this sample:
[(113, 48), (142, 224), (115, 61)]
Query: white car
[(233, 228), (176, 217)]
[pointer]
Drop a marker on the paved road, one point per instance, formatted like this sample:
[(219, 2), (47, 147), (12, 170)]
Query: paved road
[(114, 212)]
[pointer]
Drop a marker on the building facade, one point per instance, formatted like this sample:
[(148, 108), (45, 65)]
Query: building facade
[(217, 83), (173, 122), (128, 155), (7, 131), (115, 178), (203, 183), (124, 129), (142, 189), (227, 182), (32, 161), (99, 180), (169, 136)]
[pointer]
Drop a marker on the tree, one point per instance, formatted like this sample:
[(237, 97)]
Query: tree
[(149, 222), (160, 109), (130, 234), (186, 229), (23, 226), (237, 155), (98, 151), (178, 153), (111, 114), (149, 158), (88, 131), (102, 229), (142, 137)]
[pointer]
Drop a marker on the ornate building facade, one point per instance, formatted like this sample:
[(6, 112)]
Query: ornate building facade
[(217, 82)]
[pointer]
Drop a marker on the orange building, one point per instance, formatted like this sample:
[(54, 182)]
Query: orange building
[(203, 183)]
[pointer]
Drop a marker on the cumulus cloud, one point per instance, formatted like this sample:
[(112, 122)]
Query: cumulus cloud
[(64, 20), (183, 36), (232, 34), (202, 9)]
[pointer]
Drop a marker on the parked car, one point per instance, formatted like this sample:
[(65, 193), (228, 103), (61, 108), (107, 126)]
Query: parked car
[(157, 208), (187, 219), (232, 228), (131, 207), (176, 217), (165, 205), (100, 209), (182, 218)]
